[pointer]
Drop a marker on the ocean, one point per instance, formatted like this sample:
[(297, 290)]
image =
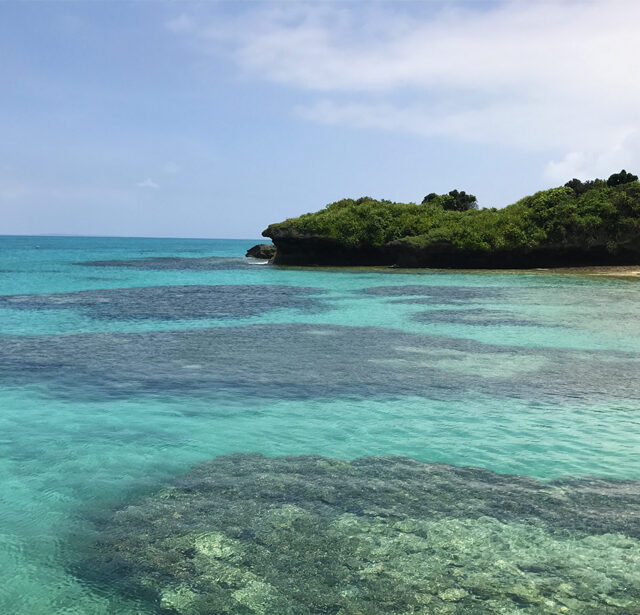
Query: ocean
[(124, 362)]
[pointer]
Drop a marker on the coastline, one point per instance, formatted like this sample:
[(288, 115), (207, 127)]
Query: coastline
[(628, 272), (614, 271)]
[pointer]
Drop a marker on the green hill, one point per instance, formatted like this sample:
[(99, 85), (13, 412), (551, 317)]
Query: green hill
[(595, 222)]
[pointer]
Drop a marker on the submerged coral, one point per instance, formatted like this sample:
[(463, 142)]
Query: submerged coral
[(478, 317), (434, 295), (346, 360), (176, 263), (245, 534), (174, 302)]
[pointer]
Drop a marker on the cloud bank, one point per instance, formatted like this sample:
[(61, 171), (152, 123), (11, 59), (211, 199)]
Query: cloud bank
[(553, 77)]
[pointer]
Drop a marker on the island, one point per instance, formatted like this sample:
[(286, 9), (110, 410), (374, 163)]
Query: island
[(583, 223)]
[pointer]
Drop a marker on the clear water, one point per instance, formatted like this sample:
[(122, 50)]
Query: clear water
[(522, 373)]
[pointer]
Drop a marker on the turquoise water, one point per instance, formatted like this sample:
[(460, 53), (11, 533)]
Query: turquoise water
[(107, 392)]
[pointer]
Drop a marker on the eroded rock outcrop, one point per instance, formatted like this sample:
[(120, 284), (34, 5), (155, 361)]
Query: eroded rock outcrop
[(264, 251), (295, 248)]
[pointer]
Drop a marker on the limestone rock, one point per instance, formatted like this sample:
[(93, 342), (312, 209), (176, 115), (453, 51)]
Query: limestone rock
[(264, 251)]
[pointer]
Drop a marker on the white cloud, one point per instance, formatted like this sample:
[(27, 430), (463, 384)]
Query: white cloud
[(589, 163), (574, 164), (558, 77), (148, 183)]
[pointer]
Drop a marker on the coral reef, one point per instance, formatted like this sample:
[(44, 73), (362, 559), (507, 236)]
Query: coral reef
[(174, 263), (174, 302), (356, 361), (245, 534)]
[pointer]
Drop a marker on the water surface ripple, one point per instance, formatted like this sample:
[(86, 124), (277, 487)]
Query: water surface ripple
[(125, 362)]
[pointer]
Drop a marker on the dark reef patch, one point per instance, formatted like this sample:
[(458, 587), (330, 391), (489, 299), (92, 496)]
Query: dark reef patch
[(173, 302), (98, 278), (245, 535), (438, 294), (301, 361), (476, 317), (178, 263)]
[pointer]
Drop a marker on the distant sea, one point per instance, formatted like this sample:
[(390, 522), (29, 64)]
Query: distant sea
[(124, 362)]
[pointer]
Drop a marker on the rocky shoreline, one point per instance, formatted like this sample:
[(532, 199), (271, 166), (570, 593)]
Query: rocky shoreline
[(263, 251), (294, 248), (317, 251)]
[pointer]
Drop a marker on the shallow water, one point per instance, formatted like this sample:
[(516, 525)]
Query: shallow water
[(106, 394)]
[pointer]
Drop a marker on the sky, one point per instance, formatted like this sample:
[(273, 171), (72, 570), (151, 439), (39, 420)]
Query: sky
[(214, 119)]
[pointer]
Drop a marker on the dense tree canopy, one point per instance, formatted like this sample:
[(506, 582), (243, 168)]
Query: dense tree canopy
[(459, 201), (579, 213), (580, 187), (617, 179)]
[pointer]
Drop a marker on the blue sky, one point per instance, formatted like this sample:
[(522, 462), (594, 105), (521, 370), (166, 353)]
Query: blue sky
[(215, 119)]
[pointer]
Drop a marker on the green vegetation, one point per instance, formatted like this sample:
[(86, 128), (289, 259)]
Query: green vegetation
[(459, 201), (579, 214)]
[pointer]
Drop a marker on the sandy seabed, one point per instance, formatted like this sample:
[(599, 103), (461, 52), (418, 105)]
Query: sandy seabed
[(619, 271)]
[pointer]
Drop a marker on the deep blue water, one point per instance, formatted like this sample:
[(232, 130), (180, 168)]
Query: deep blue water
[(123, 362)]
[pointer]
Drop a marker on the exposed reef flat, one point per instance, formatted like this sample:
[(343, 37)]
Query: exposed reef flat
[(246, 535)]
